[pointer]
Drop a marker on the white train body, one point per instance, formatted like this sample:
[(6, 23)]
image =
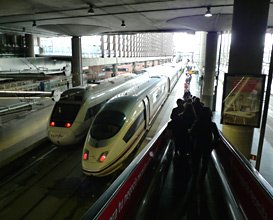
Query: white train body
[(171, 70), (119, 126), (72, 116)]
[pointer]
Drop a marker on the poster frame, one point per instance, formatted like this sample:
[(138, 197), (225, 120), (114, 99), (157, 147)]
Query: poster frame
[(241, 117)]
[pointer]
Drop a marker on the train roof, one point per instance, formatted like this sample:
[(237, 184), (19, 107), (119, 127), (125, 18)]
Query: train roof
[(82, 93), (127, 103), (123, 104)]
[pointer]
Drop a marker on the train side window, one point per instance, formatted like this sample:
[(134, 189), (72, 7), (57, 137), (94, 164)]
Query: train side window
[(134, 127)]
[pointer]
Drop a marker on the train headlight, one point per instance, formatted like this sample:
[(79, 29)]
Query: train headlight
[(52, 123), (103, 156), (67, 125), (85, 155)]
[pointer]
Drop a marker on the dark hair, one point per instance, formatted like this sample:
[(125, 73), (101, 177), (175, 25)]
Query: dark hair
[(179, 102)]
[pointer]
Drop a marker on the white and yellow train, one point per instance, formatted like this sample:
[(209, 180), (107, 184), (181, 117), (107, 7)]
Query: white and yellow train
[(73, 114), (119, 126)]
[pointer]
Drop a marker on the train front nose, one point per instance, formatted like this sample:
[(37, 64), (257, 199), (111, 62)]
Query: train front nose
[(94, 160), (61, 136)]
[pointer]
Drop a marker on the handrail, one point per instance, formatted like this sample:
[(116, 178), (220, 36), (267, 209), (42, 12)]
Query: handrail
[(233, 207), (244, 162), (252, 192)]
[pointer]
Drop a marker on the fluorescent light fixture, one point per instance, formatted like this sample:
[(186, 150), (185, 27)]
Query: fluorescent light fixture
[(91, 10), (208, 13), (123, 24)]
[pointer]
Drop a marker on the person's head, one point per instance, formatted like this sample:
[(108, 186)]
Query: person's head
[(196, 100), (189, 100), (179, 102)]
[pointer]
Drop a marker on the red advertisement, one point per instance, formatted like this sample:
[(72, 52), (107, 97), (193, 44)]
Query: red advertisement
[(242, 99)]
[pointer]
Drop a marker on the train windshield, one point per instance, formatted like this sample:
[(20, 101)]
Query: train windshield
[(107, 124), (65, 112)]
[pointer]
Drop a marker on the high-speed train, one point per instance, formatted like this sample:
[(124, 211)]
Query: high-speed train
[(171, 70), (72, 115), (119, 126)]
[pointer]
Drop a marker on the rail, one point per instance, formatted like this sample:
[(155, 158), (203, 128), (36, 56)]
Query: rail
[(245, 192)]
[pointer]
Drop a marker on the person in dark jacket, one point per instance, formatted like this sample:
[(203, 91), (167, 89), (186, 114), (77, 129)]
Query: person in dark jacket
[(197, 105), (177, 110), (174, 125), (204, 135), (180, 126)]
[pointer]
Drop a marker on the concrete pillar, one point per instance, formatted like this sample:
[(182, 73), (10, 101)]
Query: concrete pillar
[(210, 66), (201, 52), (29, 45), (115, 70), (76, 61), (153, 63), (246, 56), (145, 64), (133, 67)]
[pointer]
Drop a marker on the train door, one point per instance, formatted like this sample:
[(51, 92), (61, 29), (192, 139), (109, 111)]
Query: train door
[(146, 103)]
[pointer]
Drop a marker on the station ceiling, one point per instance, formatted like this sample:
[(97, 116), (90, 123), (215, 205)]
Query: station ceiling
[(71, 17)]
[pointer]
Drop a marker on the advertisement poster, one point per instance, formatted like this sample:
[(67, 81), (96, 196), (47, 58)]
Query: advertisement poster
[(242, 99)]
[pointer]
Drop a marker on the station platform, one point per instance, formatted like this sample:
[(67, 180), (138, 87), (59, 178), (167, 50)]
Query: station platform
[(22, 132)]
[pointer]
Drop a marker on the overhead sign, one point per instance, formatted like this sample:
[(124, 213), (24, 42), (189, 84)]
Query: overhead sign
[(242, 99)]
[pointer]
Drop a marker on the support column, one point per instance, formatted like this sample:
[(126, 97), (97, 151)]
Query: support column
[(246, 56), (29, 45), (210, 66), (145, 64), (76, 61), (133, 67), (115, 70)]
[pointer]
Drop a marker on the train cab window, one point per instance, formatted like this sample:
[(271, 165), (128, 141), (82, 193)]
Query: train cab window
[(134, 127), (91, 112), (64, 113), (107, 124)]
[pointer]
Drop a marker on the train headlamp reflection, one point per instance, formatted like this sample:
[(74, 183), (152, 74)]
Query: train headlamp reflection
[(103, 156)]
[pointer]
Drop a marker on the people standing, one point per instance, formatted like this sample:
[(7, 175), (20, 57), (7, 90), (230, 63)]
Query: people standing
[(187, 94), (205, 135), (174, 124), (180, 126), (177, 110), (197, 105)]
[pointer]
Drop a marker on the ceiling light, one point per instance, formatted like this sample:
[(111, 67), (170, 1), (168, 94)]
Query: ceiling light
[(208, 13), (91, 10), (34, 24), (123, 24)]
